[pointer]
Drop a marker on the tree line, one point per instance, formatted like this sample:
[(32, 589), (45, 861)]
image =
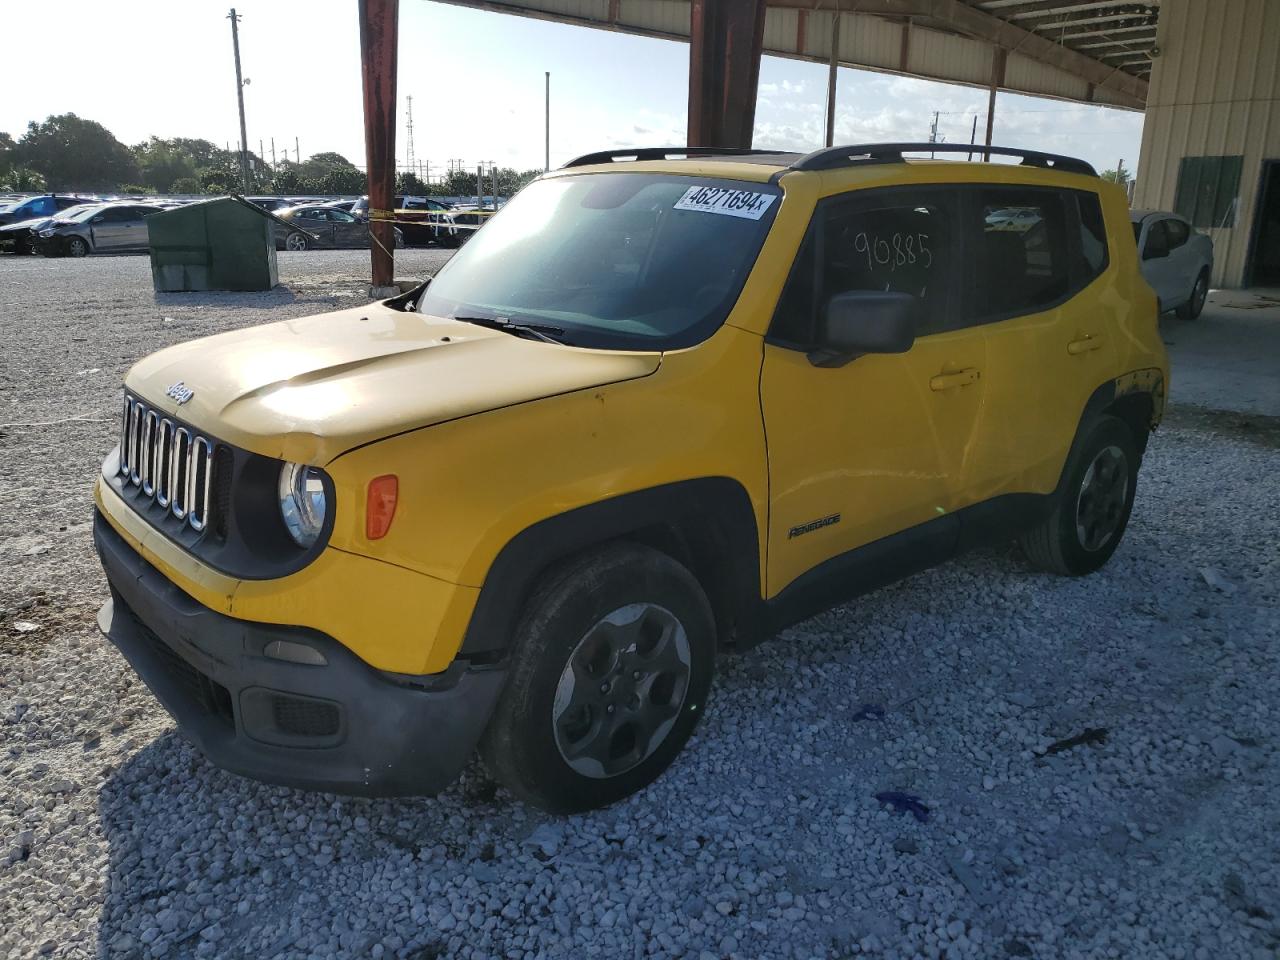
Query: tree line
[(70, 154)]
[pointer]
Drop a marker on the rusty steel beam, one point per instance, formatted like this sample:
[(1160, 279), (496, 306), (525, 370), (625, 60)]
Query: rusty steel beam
[(726, 39), (379, 36), (974, 23)]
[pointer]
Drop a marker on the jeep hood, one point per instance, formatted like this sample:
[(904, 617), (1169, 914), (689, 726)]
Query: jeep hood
[(308, 390)]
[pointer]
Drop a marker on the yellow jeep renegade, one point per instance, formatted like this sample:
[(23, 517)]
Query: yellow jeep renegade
[(664, 404)]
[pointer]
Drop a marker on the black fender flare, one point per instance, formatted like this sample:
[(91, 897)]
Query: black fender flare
[(1136, 397), (709, 520)]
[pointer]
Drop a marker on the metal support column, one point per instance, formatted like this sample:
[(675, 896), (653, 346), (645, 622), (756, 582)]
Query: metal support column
[(831, 76), (379, 30), (724, 70), (999, 57)]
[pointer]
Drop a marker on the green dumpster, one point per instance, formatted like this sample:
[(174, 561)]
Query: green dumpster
[(221, 244)]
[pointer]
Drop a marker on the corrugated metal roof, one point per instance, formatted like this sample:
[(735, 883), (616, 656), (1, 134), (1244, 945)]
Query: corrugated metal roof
[(1049, 43)]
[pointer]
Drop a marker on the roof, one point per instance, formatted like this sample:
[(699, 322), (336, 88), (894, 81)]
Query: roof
[(1137, 216), (767, 165)]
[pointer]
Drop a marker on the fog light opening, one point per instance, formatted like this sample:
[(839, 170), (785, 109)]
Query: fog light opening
[(292, 652)]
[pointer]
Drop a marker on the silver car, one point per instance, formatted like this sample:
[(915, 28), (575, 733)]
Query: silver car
[(1176, 260), (110, 228)]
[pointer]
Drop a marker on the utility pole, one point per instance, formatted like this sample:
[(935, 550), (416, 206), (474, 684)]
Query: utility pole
[(546, 162), (244, 139), (273, 154), (262, 154), (408, 147), (933, 132), (297, 151), (480, 187), (973, 135)]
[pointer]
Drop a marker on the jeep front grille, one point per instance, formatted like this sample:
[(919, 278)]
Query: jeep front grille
[(170, 462)]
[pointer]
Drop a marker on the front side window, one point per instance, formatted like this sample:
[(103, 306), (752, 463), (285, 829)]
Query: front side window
[(1021, 257), (1177, 232), (865, 244), (618, 260), (1157, 241)]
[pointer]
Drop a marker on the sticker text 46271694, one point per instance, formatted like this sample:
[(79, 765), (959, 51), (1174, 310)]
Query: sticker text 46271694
[(746, 204)]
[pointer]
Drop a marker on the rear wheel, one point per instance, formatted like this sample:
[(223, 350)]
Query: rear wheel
[(610, 673), (1195, 303), (77, 247), (1092, 509)]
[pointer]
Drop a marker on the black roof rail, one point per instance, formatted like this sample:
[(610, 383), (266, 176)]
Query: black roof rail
[(832, 158), (661, 153)]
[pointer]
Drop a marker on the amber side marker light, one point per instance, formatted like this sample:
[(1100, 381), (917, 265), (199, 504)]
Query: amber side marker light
[(380, 507)]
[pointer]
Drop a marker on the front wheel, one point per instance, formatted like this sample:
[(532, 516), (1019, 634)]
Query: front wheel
[(610, 673), (1195, 303), (1091, 510), (77, 247), (297, 242)]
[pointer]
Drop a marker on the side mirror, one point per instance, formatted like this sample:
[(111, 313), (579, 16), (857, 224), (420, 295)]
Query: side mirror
[(866, 321), (98, 219)]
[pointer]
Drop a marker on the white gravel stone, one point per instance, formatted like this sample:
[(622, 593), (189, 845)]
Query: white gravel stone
[(764, 840)]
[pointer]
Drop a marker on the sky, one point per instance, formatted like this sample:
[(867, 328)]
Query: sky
[(164, 68)]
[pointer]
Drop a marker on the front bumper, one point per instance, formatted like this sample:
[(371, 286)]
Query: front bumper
[(343, 727)]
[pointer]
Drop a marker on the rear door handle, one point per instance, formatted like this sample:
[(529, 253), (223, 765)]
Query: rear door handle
[(961, 378), (1084, 345)]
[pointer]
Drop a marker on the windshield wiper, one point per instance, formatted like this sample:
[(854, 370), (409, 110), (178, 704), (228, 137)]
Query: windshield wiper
[(539, 331)]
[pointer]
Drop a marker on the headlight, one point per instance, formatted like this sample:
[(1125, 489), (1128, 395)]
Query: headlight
[(46, 233), (302, 502)]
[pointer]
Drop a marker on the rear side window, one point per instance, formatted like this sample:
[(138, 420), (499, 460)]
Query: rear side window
[(1093, 236), (864, 245), (1022, 256)]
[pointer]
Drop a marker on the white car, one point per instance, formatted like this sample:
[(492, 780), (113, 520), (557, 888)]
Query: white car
[(1176, 260)]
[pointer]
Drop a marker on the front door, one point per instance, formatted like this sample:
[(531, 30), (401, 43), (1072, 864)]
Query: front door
[(109, 228), (1157, 264), (879, 445)]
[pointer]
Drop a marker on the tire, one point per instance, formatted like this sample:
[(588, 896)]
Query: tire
[(77, 247), (568, 746), (1091, 509), (1195, 302), (297, 242)]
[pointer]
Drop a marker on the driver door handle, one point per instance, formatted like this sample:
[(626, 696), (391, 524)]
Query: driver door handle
[(1084, 345), (961, 378)]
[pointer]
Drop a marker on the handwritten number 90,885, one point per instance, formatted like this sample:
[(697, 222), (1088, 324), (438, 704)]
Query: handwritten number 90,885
[(898, 250)]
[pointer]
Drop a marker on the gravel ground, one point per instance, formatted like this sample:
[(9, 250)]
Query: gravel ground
[(1097, 757)]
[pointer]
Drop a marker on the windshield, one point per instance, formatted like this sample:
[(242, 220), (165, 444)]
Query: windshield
[(621, 260), (79, 214)]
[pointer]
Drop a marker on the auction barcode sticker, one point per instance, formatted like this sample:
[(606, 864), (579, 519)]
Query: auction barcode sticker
[(747, 204)]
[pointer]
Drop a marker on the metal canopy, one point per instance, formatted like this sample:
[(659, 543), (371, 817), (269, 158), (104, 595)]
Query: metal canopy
[(1087, 27), (1038, 47)]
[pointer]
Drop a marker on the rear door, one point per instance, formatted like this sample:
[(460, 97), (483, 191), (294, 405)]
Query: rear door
[(1036, 294), (133, 235)]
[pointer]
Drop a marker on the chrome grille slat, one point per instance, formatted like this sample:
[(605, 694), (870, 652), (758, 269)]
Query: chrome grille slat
[(148, 469), (170, 463)]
